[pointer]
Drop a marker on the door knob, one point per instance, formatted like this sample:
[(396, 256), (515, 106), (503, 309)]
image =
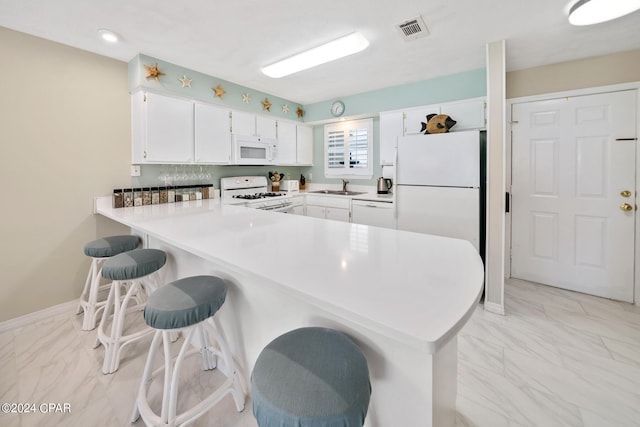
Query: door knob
[(625, 193), (626, 207)]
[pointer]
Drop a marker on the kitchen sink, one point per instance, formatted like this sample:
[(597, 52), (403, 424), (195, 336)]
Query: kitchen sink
[(339, 192)]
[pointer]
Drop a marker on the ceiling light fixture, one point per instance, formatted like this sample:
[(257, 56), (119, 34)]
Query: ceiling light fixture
[(108, 35), (588, 12), (339, 48)]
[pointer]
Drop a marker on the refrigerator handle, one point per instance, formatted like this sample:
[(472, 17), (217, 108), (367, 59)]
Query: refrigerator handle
[(507, 202)]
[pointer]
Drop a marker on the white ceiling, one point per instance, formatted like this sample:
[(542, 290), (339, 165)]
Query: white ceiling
[(232, 39)]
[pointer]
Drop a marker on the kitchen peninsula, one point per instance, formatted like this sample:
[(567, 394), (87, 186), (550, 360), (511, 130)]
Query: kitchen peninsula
[(401, 296)]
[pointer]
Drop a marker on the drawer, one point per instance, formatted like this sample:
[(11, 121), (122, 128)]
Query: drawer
[(328, 201)]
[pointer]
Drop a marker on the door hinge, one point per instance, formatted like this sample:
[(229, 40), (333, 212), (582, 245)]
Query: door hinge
[(145, 98)]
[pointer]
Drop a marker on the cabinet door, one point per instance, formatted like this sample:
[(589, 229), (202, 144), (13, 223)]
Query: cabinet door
[(469, 114), (315, 211), (391, 127), (304, 145), (413, 117), (169, 129), (298, 210), (243, 123), (212, 134), (337, 214), (266, 127), (373, 213), (286, 153)]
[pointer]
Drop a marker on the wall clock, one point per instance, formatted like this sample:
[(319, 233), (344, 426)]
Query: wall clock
[(337, 108)]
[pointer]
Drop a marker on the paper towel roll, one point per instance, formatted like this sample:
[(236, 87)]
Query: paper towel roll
[(389, 171)]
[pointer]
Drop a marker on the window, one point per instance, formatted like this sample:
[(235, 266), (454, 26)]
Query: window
[(348, 149)]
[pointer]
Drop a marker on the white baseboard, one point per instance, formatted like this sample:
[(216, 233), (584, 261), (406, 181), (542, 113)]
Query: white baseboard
[(37, 316), (492, 307)]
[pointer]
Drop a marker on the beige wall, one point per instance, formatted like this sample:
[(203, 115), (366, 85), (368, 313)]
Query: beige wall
[(64, 138), (622, 67)]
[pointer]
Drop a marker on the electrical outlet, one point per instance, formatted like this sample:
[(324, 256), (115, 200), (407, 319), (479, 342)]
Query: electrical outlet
[(310, 176), (135, 170)]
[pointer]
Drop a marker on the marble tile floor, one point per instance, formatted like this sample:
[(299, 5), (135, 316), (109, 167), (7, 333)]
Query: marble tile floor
[(558, 358)]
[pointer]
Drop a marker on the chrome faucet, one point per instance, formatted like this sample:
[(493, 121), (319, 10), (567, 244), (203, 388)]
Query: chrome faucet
[(344, 185)]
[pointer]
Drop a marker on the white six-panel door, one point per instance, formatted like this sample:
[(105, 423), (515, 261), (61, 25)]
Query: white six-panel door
[(573, 193)]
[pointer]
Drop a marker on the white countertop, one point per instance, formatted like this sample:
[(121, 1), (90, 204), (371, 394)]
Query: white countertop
[(415, 288)]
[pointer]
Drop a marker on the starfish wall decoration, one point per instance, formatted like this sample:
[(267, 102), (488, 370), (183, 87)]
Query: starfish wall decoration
[(219, 92), (246, 98), (153, 72), (186, 82), (300, 112), (285, 108), (266, 105)]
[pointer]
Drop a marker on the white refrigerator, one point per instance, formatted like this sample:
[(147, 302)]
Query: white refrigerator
[(438, 185)]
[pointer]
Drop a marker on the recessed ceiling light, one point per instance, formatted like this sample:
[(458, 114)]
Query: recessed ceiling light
[(588, 12), (339, 48), (108, 35)]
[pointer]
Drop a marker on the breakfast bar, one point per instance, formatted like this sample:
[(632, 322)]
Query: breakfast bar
[(401, 296)]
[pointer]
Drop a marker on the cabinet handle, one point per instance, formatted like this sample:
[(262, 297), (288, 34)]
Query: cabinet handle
[(371, 205), (144, 154)]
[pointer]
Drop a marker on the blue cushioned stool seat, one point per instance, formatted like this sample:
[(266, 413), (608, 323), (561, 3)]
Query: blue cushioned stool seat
[(185, 302), (133, 264), (110, 246), (311, 377)]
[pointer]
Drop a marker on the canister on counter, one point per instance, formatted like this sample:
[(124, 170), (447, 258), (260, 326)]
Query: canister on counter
[(127, 195), (155, 195), (137, 196), (146, 196), (118, 198), (164, 195), (171, 194), (207, 191)]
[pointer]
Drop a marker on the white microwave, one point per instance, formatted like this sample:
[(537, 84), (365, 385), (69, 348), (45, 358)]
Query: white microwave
[(253, 150)]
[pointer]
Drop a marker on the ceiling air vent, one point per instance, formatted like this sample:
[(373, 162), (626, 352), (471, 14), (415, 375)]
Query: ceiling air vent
[(413, 28)]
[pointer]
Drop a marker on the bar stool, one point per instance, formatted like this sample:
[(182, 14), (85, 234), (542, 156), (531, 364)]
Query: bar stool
[(99, 251), (311, 377), (188, 305), (132, 272)]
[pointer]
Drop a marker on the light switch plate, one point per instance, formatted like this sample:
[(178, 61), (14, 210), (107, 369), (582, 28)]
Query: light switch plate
[(135, 170)]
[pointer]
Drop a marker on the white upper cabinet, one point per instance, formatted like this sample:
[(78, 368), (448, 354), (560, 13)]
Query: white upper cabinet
[(287, 143), (414, 117), (469, 113), (243, 123), (304, 145), (162, 129), (250, 124), (266, 127), (212, 134), (391, 126)]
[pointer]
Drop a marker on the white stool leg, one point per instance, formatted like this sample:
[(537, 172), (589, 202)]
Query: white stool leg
[(89, 297), (115, 341), (172, 368), (146, 378)]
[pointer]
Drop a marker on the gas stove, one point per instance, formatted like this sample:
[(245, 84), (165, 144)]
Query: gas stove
[(252, 192), (256, 196)]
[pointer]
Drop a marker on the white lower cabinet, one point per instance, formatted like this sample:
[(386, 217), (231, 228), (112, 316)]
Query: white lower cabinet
[(335, 208), (369, 212)]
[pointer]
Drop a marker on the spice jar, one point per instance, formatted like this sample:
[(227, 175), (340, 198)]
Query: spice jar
[(137, 197), (146, 196), (207, 191), (164, 195), (118, 199), (171, 194), (155, 195), (127, 195)]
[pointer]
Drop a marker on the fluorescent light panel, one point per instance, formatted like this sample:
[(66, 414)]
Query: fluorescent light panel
[(588, 12), (336, 49)]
